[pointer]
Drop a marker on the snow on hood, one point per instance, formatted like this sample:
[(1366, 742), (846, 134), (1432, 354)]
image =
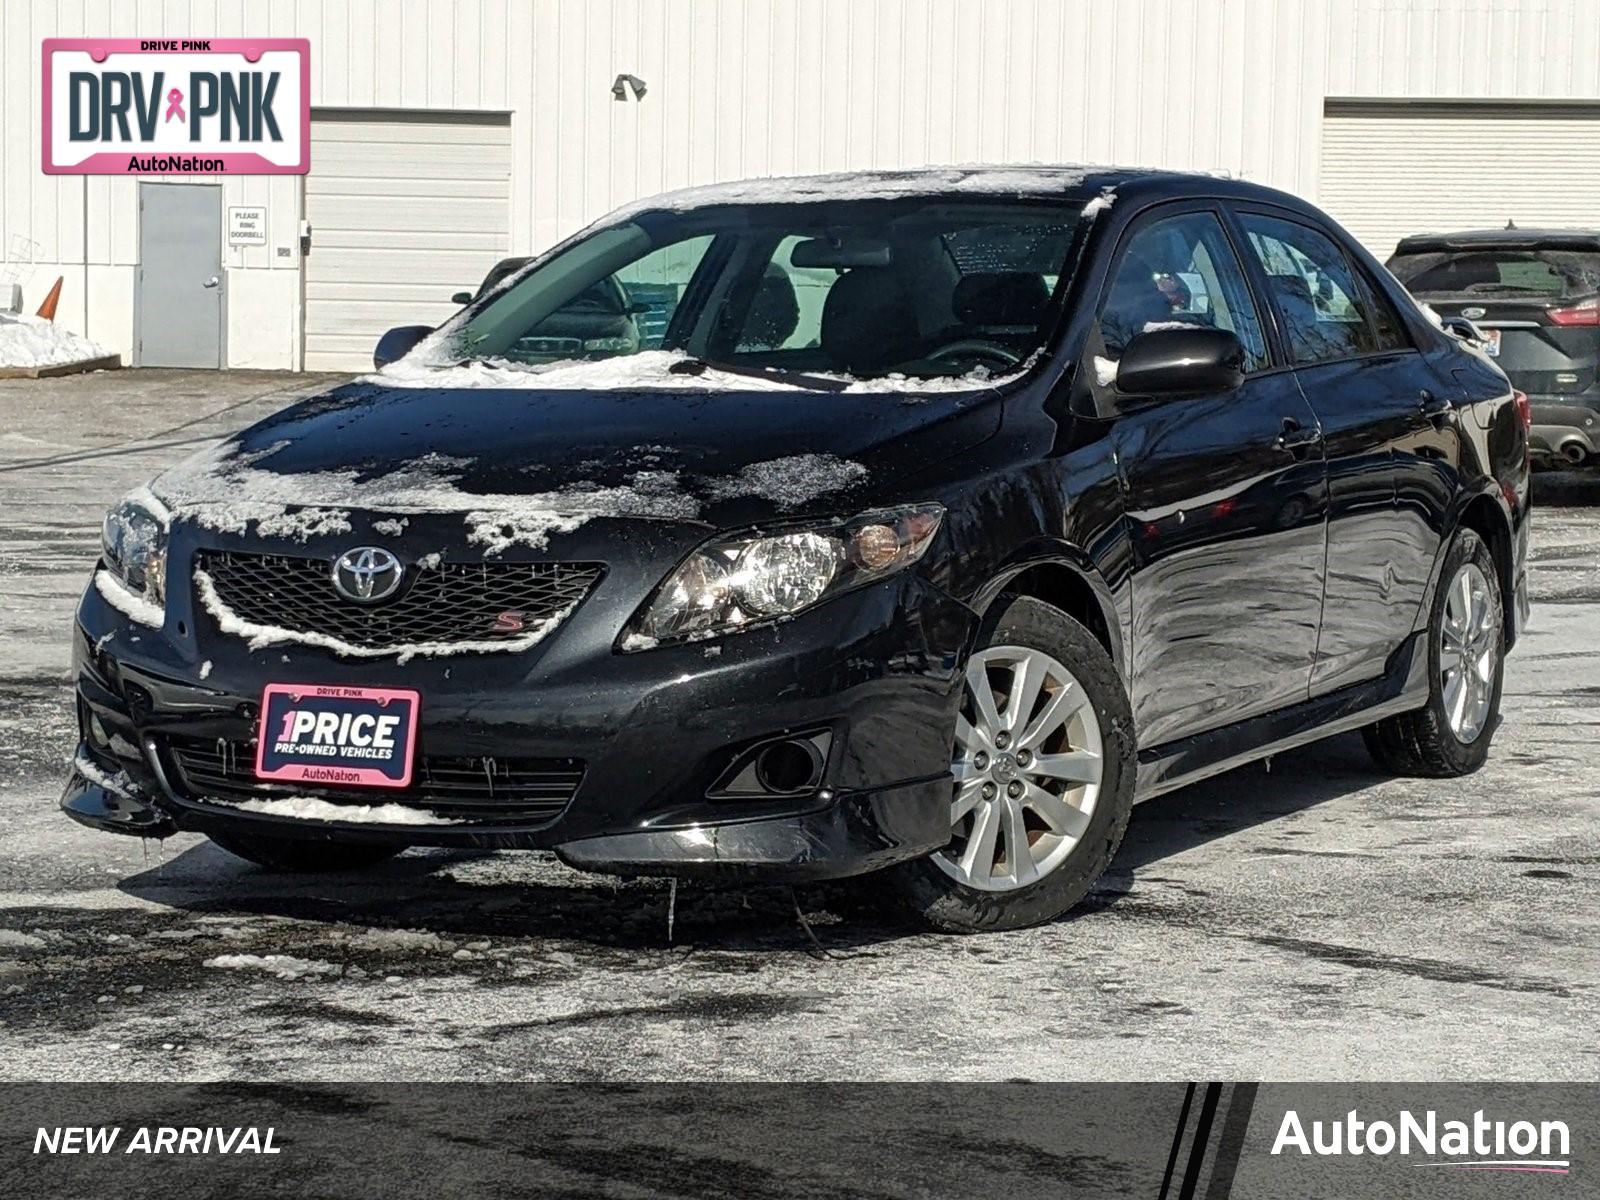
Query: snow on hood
[(227, 490), (34, 342)]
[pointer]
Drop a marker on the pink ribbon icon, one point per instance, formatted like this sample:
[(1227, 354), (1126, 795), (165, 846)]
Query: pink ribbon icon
[(175, 105)]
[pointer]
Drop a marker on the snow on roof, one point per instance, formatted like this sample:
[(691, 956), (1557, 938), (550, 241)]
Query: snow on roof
[(981, 179)]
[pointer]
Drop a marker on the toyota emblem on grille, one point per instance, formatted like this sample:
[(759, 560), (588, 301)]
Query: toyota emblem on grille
[(367, 574)]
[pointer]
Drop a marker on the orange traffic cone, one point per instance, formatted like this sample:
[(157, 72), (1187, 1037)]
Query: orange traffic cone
[(47, 310)]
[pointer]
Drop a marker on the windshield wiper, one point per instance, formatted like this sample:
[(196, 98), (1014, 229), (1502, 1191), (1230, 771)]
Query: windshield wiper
[(820, 383)]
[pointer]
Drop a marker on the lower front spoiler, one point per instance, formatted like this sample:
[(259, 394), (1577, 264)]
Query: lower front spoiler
[(854, 835), (110, 810)]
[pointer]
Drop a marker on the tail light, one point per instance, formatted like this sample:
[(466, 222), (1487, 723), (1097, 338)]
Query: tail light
[(1524, 410), (1586, 312)]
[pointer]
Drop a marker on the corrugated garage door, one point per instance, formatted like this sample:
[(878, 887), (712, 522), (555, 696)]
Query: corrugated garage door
[(1389, 169), (405, 209)]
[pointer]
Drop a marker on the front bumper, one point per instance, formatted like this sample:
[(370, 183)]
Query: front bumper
[(878, 670)]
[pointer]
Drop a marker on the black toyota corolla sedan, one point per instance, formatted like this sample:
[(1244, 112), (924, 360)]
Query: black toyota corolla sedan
[(919, 525)]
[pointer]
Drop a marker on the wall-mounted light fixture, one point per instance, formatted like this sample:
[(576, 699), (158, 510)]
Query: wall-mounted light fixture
[(619, 89)]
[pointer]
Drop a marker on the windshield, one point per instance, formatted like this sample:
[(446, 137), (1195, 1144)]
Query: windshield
[(924, 288), (1488, 272)]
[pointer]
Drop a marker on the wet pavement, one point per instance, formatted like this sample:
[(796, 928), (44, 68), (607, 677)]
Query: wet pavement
[(1314, 920)]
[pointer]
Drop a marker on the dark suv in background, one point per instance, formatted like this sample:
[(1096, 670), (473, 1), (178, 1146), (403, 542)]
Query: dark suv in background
[(1535, 293)]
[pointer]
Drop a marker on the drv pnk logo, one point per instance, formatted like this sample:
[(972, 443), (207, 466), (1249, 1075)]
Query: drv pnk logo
[(151, 106)]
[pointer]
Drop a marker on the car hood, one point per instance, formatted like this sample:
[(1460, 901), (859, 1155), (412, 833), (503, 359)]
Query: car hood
[(719, 457)]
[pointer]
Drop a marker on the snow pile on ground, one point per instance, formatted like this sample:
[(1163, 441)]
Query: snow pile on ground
[(400, 941), (792, 481), (283, 966), (311, 808), (14, 939), (34, 342)]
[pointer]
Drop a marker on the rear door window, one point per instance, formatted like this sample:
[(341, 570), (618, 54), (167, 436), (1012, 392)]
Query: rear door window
[(1328, 311)]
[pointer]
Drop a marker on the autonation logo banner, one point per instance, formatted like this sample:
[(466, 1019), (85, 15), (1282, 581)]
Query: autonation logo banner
[(154, 106), (1469, 1142)]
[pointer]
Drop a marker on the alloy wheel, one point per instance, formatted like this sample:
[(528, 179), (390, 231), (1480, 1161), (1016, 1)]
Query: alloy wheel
[(1028, 765), (1469, 648)]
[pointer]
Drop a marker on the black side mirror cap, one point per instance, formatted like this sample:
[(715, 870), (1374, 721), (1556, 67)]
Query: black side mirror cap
[(461, 298), (397, 343), (1185, 361)]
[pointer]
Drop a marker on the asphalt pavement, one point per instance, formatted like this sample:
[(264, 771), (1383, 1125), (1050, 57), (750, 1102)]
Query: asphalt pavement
[(1314, 920)]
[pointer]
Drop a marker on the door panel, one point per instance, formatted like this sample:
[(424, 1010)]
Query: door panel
[(1225, 496), (179, 282), (1381, 419), (1228, 534), (1367, 407)]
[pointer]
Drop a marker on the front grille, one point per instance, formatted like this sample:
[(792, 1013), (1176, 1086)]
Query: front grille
[(478, 790), (446, 604)]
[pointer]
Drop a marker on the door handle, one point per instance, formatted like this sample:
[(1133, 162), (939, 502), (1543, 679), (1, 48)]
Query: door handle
[(1435, 408), (1296, 437), (212, 282)]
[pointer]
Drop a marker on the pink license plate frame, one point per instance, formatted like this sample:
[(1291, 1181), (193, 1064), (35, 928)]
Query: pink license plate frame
[(344, 767)]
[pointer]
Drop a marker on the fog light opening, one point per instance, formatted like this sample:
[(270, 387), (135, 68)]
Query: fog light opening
[(791, 765)]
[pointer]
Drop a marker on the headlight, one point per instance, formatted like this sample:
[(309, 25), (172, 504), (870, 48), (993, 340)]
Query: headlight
[(736, 581), (133, 541)]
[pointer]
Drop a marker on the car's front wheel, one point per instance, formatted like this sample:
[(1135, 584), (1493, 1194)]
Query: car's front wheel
[(1466, 662), (1044, 772), (304, 857)]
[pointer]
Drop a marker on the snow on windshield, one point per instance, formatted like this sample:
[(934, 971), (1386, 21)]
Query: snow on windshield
[(653, 370)]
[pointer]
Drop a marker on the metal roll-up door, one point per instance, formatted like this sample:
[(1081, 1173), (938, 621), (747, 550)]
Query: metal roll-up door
[(1391, 168), (405, 209)]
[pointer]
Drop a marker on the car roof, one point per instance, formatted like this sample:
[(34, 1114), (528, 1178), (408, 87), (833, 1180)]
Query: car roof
[(1501, 239), (995, 180)]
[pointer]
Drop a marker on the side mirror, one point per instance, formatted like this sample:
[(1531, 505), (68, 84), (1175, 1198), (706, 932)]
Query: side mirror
[(461, 298), (1181, 362), (1463, 329), (397, 343)]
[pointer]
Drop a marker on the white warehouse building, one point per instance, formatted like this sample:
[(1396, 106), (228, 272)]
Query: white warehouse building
[(447, 134)]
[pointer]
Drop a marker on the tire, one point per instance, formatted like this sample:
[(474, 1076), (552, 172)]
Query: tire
[(300, 856), (1431, 742), (1064, 859)]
